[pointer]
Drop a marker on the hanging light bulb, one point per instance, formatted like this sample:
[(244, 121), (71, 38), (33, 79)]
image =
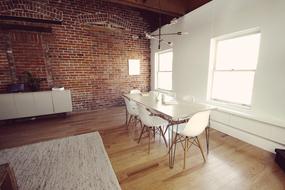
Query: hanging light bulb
[(148, 36), (170, 44), (182, 33), (174, 21), (158, 36)]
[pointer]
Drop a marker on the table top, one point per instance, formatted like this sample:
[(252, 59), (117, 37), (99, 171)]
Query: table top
[(181, 110)]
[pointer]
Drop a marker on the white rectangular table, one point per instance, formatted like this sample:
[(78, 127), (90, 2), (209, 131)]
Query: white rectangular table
[(174, 113)]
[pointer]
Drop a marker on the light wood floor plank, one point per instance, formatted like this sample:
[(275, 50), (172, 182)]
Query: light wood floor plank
[(231, 164)]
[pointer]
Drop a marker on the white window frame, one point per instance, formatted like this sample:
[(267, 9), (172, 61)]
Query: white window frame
[(212, 67), (157, 69)]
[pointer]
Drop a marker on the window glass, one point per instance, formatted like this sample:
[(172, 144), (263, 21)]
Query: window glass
[(234, 70), (165, 61), (240, 53), (233, 87), (164, 80)]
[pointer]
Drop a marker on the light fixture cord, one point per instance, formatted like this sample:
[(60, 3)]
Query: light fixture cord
[(159, 25)]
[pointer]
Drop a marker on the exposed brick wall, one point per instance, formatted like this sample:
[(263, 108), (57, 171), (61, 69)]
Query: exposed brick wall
[(5, 75), (32, 9), (92, 61), (29, 55)]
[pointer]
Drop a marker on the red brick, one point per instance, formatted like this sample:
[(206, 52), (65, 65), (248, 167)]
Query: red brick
[(90, 61)]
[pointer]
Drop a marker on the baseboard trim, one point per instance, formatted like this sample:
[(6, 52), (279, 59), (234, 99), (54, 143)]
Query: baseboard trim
[(245, 136)]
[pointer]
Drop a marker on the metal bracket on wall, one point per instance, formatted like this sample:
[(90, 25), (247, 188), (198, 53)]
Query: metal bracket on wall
[(25, 28), (27, 19)]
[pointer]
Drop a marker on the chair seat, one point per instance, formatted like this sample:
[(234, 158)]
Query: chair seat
[(158, 122), (180, 130)]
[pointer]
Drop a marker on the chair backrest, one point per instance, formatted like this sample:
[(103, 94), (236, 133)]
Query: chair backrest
[(188, 98), (197, 124), (131, 106), (145, 116), (153, 93), (167, 92), (135, 91)]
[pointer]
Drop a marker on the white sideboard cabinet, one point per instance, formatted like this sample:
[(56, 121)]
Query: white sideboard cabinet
[(29, 104)]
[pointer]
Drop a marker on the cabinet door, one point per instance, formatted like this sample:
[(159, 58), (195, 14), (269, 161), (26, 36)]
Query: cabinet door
[(7, 107), (43, 103), (25, 104), (61, 101)]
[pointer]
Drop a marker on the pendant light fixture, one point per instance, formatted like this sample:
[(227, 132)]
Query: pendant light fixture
[(159, 36)]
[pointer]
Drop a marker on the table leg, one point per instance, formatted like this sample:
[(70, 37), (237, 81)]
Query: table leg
[(208, 138), (207, 132), (172, 148), (170, 144)]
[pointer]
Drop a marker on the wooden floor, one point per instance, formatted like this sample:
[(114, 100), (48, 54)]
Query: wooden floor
[(231, 163)]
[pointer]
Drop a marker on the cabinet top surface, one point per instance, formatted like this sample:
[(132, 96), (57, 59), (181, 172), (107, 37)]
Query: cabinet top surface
[(45, 91)]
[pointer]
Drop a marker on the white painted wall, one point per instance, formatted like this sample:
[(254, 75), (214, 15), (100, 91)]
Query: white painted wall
[(191, 64)]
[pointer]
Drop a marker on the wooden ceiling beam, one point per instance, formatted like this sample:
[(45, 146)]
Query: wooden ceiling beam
[(194, 4), (173, 8)]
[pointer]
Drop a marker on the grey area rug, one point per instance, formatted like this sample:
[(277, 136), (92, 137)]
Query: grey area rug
[(77, 162)]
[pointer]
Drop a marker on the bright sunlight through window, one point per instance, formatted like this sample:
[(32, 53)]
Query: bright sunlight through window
[(235, 64), (164, 70)]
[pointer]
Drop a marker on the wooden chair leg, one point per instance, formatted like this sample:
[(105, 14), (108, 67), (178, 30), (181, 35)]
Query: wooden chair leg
[(141, 134), (174, 150), (135, 121), (149, 137), (127, 117), (166, 129), (200, 147), (185, 152), (163, 136), (129, 121)]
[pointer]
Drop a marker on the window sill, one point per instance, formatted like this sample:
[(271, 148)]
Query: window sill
[(231, 106), (246, 112), (165, 91)]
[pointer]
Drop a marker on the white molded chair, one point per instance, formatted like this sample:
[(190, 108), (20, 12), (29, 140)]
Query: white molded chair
[(153, 93), (135, 91), (151, 124), (132, 112), (187, 133), (170, 93)]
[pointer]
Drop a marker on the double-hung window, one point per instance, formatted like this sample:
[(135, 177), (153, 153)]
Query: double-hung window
[(235, 62), (163, 73)]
